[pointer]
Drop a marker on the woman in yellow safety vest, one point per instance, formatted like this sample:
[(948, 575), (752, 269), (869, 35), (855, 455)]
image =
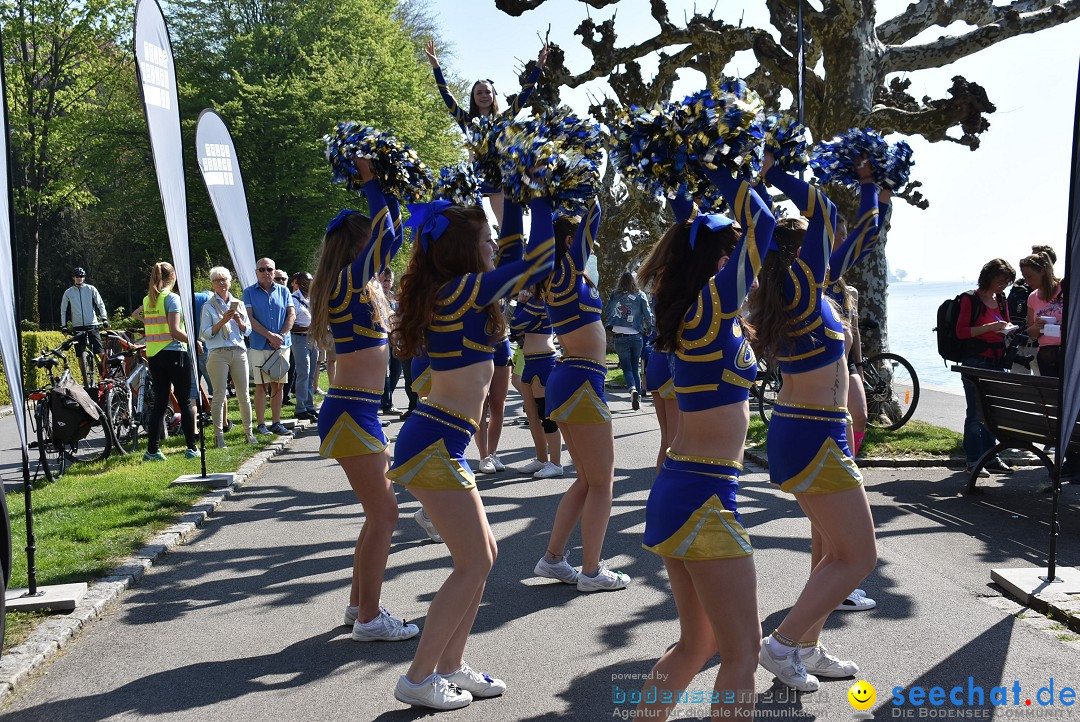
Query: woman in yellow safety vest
[(167, 357)]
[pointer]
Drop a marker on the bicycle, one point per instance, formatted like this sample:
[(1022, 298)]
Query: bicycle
[(87, 359), (766, 388), (56, 455), (892, 390), (126, 399)]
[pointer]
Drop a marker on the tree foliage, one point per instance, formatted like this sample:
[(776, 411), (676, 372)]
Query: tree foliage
[(855, 71)]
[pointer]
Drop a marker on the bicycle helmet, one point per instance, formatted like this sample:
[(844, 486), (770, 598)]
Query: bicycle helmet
[(79, 271)]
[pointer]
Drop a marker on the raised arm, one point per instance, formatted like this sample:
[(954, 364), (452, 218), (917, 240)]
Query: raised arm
[(511, 235), (527, 89), (587, 231), (862, 238), (682, 205), (460, 115), (386, 235), (534, 267), (526, 316), (736, 278), (821, 213)]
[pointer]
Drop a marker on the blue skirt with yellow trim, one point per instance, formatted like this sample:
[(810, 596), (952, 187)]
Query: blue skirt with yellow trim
[(538, 365), (430, 450), (421, 374), (808, 449), (658, 378), (575, 392), (349, 423), (692, 514), (503, 353)]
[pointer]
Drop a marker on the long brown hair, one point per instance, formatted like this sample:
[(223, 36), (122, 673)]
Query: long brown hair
[(994, 270), (678, 272), (767, 306), (474, 111), (162, 279), (339, 249), (1048, 280), (455, 253)]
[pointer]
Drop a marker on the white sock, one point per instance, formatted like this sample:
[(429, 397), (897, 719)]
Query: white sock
[(805, 652), (354, 611), (423, 682), (779, 649)]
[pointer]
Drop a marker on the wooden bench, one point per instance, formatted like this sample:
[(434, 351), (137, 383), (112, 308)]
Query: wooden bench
[(1020, 411)]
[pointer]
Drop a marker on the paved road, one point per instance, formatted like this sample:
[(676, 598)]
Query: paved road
[(242, 623)]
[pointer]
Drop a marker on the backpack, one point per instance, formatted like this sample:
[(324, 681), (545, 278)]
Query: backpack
[(950, 346), (73, 412)]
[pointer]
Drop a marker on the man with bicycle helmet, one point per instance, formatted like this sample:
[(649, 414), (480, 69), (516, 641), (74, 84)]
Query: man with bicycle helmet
[(86, 307)]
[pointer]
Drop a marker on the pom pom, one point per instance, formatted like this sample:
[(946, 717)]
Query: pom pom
[(789, 140), (726, 131), (400, 172), (460, 185), (898, 166), (481, 136), (834, 161), (648, 150), (553, 153)]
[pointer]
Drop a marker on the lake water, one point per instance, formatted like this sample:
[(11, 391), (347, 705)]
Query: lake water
[(912, 316)]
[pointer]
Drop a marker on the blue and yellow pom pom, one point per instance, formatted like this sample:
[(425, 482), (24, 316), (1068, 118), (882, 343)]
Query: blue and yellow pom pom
[(553, 153), (459, 184), (480, 138), (834, 161), (898, 166), (789, 140), (400, 172)]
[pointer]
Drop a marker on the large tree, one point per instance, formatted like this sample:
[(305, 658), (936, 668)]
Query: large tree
[(851, 68)]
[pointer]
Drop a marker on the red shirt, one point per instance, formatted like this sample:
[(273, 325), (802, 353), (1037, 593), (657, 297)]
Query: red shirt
[(991, 344)]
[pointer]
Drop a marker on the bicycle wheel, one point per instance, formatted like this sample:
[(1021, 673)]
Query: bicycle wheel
[(53, 458), (121, 411), (769, 383), (96, 445), (892, 391)]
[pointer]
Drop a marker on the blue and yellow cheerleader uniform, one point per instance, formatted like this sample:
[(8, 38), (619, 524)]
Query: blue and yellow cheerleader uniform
[(807, 444), (575, 388), (692, 513), (349, 417), (531, 317), (462, 116), (430, 450)]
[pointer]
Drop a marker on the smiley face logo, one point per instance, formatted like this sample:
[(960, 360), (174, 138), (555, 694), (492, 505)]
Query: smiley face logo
[(862, 695)]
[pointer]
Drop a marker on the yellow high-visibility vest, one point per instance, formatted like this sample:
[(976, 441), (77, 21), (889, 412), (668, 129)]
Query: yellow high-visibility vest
[(156, 325)]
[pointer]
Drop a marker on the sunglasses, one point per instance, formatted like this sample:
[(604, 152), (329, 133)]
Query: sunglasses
[(265, 270)]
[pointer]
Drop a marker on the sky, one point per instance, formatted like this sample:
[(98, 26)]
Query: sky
[(976, 198)]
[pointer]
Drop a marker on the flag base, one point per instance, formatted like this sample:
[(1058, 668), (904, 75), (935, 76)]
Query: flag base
[(215, 481), (55, 597), (1028, 585)]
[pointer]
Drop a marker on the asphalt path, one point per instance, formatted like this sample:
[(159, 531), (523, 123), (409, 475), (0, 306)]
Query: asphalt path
[(243, 622)]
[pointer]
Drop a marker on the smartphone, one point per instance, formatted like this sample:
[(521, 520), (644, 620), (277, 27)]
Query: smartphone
[(234, 306)]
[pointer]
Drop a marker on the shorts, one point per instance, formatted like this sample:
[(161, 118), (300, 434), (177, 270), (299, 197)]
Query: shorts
[(538, 366), (257, 357), (349, 423), (575, 392), (518, 360), (808, 449), (503, 353), (93, 339), (658, 378), (692, 513), (430, 450)]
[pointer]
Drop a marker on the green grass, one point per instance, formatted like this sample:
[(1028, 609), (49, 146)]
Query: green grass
[(915, 439), (97, 514)]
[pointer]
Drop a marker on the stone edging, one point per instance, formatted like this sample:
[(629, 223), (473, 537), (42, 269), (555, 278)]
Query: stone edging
[(759, 457), (51, 635)]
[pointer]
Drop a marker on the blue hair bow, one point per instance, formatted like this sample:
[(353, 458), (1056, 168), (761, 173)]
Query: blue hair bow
[(427, 220), (712, 221), (338, 220)]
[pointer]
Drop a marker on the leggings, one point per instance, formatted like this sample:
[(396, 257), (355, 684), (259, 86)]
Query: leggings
[(170, 368)]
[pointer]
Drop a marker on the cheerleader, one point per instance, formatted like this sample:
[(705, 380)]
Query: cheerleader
[(531, 321)]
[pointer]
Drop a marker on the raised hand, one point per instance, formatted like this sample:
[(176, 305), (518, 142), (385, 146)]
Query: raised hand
[(363, 167), (864, 169), (541, 59), (429, 49)]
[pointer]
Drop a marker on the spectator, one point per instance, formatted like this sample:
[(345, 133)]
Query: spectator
[(305, 353), (86, 307), (270, 308), (201, 297), (282, 279), (1044, 310), (225, 326), (629, 317), (982, 326)]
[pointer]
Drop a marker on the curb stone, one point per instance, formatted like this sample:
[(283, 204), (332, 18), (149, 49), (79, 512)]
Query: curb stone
[(52, 634)]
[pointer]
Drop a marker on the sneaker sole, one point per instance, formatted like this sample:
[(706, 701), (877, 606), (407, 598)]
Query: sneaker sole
[(541, 572), (383, 639), (425, 705)]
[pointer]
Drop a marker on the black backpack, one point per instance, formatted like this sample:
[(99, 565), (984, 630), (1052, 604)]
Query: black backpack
[(73, 412), (950, 346)]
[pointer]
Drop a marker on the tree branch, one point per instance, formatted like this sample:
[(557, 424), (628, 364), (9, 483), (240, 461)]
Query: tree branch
[(932, 119), (919, 16), (953, 47), (518, 7)]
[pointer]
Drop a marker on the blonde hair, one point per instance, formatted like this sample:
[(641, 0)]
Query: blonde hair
[(220, 271), (162, 279)]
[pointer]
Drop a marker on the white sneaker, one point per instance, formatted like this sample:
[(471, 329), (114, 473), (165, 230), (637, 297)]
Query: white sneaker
[(532, 467), (499, 466), (425, 523), (819, 662), (351, 613), (383, 628), (549, 471), (856, 602), (487, 466), (476, 684), (560, 570), (434, 692), (789, 669), (604, 581)]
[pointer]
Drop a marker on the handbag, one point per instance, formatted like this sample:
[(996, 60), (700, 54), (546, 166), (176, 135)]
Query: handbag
[(276, 366)]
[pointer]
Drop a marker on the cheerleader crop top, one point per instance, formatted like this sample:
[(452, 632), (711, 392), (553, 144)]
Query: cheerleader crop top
[(462, 117), (714, 364), (458, 335), (352, 318), (573, 302), (815, 335), (530, 317)]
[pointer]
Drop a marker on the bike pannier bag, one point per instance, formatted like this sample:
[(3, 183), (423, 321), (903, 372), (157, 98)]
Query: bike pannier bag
[(73, 412)]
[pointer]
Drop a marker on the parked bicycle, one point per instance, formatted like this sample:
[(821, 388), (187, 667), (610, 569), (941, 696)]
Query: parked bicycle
[(765, 389), (60, 441)]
